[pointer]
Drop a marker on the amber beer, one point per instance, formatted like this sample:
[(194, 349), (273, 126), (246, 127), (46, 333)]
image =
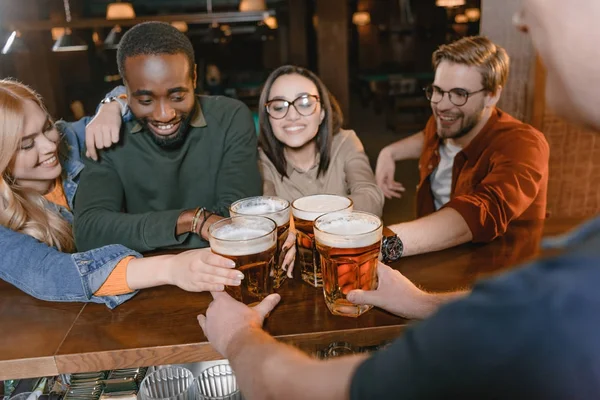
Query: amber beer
[(279, 211), (348, 245), (250, 241), (305, 210)]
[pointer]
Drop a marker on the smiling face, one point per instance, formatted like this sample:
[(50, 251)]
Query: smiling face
[(565, 35), (36, 164), (296, 130), (161, 95), (453, 121)]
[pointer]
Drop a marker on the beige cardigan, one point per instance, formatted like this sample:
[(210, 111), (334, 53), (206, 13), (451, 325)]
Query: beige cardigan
[(349, 174)]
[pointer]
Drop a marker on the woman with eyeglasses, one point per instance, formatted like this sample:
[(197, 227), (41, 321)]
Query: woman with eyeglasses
[(40, 163), (303, 148)]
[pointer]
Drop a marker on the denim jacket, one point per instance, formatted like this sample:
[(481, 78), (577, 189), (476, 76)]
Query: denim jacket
[(43, 271)]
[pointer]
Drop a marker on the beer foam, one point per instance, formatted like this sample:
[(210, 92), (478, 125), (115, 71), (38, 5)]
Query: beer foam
[(273, 211), (310, 208), (349, 232), (232, 240)]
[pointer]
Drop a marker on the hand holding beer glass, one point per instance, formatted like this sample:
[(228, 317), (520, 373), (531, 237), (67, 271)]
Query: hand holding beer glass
[(251, 242), (279, 211), (349, 245), (306, 210)]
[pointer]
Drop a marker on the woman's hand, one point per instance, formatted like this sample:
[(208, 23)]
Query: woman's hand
[(289, 248), (103, 130), (202, 270)]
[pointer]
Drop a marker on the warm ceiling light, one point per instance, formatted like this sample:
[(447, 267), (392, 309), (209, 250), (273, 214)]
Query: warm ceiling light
[(449, 3), (461, 19), (96, 38), (271, 22), (361, 18), (473, 14), (253, 5), (120, 11), (57, 32), (181, 26)]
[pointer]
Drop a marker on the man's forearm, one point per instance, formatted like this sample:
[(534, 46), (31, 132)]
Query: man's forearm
[(441, 230), (409, 148), (267, 369)]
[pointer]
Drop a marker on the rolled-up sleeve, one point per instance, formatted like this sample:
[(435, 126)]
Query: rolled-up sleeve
[(364, 192), (517, 171)]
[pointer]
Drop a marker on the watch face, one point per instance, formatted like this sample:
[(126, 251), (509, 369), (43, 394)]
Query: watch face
[(391, 249)]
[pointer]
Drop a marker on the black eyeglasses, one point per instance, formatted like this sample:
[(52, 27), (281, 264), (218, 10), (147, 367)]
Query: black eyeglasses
[(458, 97), (305, 105)]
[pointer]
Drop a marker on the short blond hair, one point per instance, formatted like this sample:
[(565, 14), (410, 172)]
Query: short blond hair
[(477, 51)]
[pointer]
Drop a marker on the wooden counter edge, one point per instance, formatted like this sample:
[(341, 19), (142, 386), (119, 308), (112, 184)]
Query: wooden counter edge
[(28, 368), (195, 352)]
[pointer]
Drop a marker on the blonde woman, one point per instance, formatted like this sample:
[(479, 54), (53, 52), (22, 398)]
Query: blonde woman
[(40, 163)]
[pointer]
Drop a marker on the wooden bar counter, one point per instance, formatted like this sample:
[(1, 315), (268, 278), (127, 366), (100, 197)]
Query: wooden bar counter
[(159, 326)]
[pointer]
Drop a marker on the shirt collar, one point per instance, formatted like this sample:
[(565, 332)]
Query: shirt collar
[(197, 121)]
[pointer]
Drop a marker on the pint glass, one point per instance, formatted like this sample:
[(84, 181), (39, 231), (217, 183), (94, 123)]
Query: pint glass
[(349, 245), (305, 211), (249, 241), (279, 211)]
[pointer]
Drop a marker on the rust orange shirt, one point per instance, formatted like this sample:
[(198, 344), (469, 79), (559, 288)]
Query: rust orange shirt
[(499, 177)]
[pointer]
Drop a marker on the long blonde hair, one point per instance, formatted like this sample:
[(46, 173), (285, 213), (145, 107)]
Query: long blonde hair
[(22, 209)]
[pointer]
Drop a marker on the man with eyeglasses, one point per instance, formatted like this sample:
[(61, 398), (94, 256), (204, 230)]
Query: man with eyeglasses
[(480, 169)]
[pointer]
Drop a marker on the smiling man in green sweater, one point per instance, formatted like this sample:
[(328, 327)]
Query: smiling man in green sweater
[(183, 158)]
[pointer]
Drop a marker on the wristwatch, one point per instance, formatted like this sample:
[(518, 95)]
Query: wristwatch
[(391, 246), (121, 100)]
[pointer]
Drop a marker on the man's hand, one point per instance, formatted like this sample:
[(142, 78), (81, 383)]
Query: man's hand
[(289, 248), (103, 131), (395, 294), (226, 317), (202, 270), (384, 175)]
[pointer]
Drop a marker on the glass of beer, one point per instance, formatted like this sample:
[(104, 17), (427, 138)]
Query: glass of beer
[(250, 241), (305, 211), (279, 211), (349, 245)]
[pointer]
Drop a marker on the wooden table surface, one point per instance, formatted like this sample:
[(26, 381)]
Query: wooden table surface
[(158, 326)]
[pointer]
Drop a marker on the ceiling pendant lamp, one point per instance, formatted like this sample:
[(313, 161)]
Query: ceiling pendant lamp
[(68, 41), (253, 5), (449, 3), (361, 18), (181, 26), (120, 10)]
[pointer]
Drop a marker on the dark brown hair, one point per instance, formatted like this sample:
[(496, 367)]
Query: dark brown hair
[(331, 124), (478, 51)]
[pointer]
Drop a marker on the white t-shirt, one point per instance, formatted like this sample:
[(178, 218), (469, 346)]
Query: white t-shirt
[(441, 178)]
